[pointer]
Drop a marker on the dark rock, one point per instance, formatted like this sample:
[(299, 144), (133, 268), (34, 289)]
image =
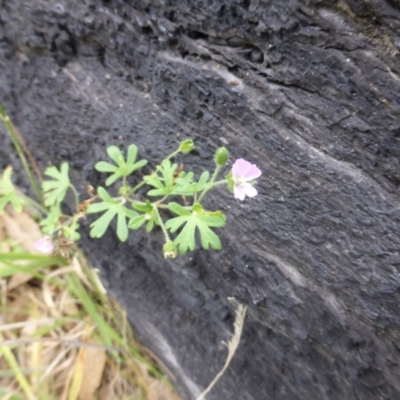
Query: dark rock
[(308, 90)]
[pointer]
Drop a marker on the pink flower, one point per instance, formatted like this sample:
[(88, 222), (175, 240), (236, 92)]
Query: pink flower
[(242, 173), (44, 245)]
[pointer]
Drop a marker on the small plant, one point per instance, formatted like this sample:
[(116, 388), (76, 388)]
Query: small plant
[(169, 197)]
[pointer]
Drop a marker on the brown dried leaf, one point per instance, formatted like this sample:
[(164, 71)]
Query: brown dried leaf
[(93, 368), (22, 228), (18, 279)]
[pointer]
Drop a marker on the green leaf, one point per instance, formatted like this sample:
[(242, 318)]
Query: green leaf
[(122, 168), (137, 222), (186, 186), (148, 216), (55, 190), (178, 209), (112, 208), (8, 193), (174, 224), (50, 224), (104, 166), (116, 155), (186, 239), (122, 227), (150, 226), (143, 207), (163, 184), (197, 220), (71, 231)]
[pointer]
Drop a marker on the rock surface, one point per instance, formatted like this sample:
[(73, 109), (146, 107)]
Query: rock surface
[(309, 91)]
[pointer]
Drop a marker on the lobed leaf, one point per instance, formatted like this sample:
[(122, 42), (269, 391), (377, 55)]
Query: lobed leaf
[(122, 168), (164, 184), (197, 220), (112, 208), (104, 166), (55, 190), (178, 209), (137, 222)]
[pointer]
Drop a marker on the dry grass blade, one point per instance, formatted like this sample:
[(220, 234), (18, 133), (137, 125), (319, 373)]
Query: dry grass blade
[(60, 336), (232, 346)]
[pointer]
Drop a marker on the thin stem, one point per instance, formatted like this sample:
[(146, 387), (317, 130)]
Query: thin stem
[(34, 203), (24, 146), (210, 184), (16, 139), (155, 208), (220, 182), (136, 188), (158, 202), (76, 196), (173, 154)]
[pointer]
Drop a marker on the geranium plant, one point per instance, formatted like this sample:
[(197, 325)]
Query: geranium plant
[(168, 198)]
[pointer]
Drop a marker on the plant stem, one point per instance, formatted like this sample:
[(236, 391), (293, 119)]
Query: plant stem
[(155, 208), (34, 203), (136, 188), (158, 202), (76, 196), (210, 184), (173, 154), (16, 142), (221, 182)]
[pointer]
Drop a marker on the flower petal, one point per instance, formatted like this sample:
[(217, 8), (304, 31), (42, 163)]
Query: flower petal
[(239, 194), (240, 168), (44, 245), (253, 173), (248, 190)]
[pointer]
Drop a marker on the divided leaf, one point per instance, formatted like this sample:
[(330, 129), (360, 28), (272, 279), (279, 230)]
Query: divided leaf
[(112, 208), (186, 186), (51, 222), (55, 190), (71, 231), (164, 184), (122, 168), (148, 216), (193, 221)]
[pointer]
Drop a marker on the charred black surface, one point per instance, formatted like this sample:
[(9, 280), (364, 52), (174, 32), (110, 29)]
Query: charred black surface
[(309, 90)]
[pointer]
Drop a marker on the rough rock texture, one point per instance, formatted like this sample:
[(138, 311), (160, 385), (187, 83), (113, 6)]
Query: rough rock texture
[(307, 89)]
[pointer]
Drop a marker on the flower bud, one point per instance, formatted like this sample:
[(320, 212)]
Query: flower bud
[(170, 250), (186, 146), (221, 156)]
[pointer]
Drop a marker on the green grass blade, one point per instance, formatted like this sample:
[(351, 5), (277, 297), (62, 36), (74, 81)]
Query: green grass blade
[(19, 376)]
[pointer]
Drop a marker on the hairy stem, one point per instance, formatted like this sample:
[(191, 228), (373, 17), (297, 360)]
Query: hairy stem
[(155, 208), (221, 182)]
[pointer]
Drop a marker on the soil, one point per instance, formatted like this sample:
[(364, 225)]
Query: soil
[(307, 90)]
